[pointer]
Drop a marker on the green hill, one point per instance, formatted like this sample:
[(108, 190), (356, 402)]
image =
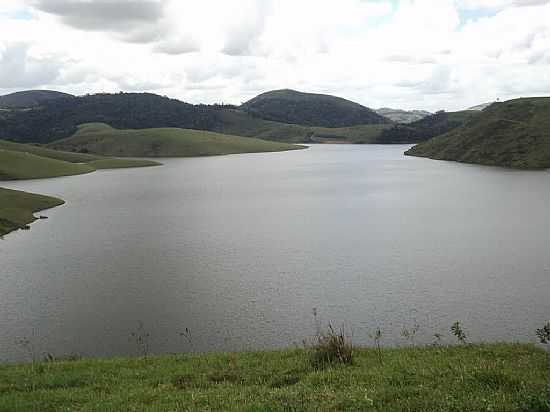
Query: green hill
[(467, 378), (59, 118), (49, 153), (102, 139), (239, 123), (20, 165), (309, 109), (29, 162), (515, 134), (29, 98), (426, 128), (17, 208)]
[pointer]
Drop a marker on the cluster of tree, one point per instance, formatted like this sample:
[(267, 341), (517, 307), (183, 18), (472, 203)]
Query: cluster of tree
[(59, 118)]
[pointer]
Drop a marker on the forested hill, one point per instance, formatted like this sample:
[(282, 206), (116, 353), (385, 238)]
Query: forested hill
[(309, 109), (29, 98), (59, 118)]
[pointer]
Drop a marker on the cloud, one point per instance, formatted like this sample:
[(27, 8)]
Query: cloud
[(103, 15), (18, 69), (406, 53)]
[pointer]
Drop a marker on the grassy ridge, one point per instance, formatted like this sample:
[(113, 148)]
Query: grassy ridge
[(515, 134), (471, 378), (102, 139), (49, 153), (17, 208), (236, 122), (20, 165)]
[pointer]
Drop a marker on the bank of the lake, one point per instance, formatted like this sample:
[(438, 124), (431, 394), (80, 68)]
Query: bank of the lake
[(17, 208), (498, 377)]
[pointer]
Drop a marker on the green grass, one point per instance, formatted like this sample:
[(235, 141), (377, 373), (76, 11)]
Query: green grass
[(121, 163), (22, 161), (99, 138), (498, 377), (239, 123), (49, 153), (17, 208), (514, 134), (20, 165)]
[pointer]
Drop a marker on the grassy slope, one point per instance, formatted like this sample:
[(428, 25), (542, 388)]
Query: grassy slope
[(163, 142), (511, 134), (97, 162), (20, 165), (239, 123), (17, 208), (467, 378)]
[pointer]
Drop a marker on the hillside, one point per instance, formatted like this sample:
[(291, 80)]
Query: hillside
[(426, 128), (40, 155), (58, 119), (30, 98), (402, 116), (500, 377), (515, 134), (20, 165), (17, 208), (240, 123), (309, 109), (99, 138)]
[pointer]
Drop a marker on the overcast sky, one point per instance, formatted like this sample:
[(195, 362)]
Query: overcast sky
[(412, 54)]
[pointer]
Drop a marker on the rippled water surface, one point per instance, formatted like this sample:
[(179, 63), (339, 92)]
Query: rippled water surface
[(240, 249)]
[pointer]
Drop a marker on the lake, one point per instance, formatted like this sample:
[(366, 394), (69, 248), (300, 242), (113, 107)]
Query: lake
[(236, 252)]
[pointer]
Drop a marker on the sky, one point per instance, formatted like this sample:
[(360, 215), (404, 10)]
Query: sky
[(409, 54)]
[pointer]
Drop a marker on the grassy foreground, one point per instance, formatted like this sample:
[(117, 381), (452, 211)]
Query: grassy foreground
[(17, 208), (500, 377), (102, 139)]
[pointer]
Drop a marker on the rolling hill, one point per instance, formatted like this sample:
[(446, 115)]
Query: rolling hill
[(30, 98), (515, 134), (426, 128), (99, 138), (309, 109), (21, 165), (59, 118), (17, 208)]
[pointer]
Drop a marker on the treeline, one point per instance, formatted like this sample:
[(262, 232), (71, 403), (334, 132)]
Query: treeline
[(59, 118)]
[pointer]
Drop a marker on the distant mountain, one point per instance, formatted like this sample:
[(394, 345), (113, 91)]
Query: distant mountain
[(402, 116), (515, 133), (426, 128), (29, 98), (309, 109), (480, 107)]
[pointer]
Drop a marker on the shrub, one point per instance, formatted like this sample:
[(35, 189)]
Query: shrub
[(332, 347), (544, 334)]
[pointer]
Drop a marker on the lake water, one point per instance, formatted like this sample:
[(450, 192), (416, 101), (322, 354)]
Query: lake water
[(241, 249)]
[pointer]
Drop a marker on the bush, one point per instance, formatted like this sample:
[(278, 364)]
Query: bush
[(332, 347)]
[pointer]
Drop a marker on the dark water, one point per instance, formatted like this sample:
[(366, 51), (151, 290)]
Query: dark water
[(240, 249)]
